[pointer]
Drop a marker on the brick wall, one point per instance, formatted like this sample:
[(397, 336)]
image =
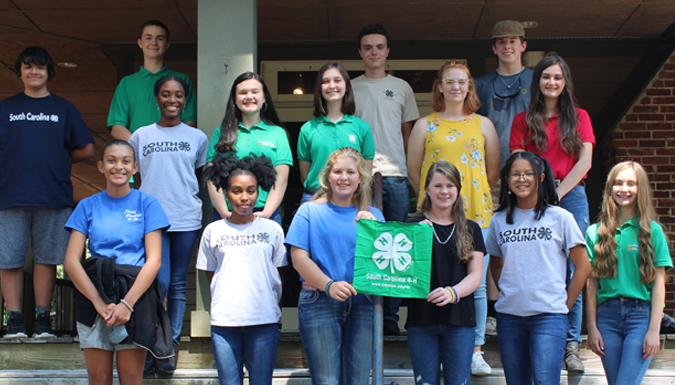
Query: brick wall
[(646, 134)]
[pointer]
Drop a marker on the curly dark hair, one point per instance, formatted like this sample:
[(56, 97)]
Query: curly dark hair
[(226, 166)]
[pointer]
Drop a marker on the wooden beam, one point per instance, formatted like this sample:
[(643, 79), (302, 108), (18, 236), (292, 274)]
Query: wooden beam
[(630, 20), (332, 19)]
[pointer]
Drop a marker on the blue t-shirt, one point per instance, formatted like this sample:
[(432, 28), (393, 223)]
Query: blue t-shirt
[(328, 233), (116, 227), (36, 137)]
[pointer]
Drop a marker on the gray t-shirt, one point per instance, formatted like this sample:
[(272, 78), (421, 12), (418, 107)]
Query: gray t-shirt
[(535, 256), (246, 286), (167, 159), (385, 104), (501, 103)]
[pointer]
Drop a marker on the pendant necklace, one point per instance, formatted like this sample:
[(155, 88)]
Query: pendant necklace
[(514, 82)]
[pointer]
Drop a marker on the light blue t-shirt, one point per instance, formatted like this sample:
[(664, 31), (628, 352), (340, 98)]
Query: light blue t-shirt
[(328, 233), (116, 227), (535, 256), (167, 160)]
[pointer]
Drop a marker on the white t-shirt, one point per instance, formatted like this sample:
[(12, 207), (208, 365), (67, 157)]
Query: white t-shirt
[(385, 104), (246, 286), (535, 256)]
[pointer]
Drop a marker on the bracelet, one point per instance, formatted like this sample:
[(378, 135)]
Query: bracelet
[(453, 294), (328, 286), (131, 309), (456, 301)]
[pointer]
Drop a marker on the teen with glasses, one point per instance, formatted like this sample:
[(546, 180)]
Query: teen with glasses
[(530, 241), (555, 128), (456, 134)]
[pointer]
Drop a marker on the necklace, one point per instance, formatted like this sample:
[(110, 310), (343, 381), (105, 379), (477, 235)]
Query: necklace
[(447, 239), (514, 82)]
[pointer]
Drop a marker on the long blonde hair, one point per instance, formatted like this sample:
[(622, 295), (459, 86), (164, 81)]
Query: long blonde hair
[(361, 197), (465, 244), (605, 250)]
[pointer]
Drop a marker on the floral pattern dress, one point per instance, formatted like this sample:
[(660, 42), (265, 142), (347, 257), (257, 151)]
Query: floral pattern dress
[(461, 143)]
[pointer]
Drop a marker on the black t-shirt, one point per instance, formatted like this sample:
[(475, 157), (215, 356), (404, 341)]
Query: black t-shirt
[(446, 270)]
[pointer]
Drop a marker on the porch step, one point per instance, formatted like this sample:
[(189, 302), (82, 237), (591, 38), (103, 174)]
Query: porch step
[(298, 377)]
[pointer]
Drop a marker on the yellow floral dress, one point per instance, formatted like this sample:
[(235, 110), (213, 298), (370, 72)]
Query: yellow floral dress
[(461, 143)]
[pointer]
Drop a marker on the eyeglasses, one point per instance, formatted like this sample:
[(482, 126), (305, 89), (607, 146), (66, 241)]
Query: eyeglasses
[(528, 176), (459, 82)]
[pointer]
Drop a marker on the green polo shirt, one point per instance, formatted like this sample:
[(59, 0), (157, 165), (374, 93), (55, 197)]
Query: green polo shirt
[(134, 106), (320, 137), (626, 283), (263, 139)]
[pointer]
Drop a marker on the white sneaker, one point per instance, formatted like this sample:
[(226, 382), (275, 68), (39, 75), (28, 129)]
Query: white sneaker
[(491, 326), (478, 365)]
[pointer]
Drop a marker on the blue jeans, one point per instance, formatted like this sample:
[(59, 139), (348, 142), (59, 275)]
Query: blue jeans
[(176, 255), (395, 207), (258, 342), (576, 203), (480, 300), (532, 348), (276, 215), (337, 337), (623, 325), (433, 345)]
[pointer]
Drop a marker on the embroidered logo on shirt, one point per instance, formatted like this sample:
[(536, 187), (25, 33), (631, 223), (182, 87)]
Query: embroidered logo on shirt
[(352, 138), (389, 94), (633, 247), (33, 117), (165, 147), (265, 143), (132, 216), (525, 235)]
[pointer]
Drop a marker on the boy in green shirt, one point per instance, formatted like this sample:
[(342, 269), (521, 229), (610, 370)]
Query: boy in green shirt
[(133, 105)]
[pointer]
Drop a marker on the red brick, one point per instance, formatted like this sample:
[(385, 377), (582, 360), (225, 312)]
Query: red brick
[(662, 211), (660, 178), (666, 75), (669, 67), (641, 109), (636, 151), (659, 126), (661, 194), (620, 152), (626, 143), (663, 100), (665, 186), (658, 83), (617, 135), (645, 101), (660, 92), (667, 109), (665, 151), (633, 126), (655, 160), (668, 83), (637, 135), (663, 134), (668, 169), (670, 117), (631, 118), (652, 143), (651, 117)]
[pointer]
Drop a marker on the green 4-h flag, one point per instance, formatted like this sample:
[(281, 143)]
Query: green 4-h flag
[(393, 259)]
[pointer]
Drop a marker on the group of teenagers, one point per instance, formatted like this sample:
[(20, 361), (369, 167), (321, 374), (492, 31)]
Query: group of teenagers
[(543, 251)]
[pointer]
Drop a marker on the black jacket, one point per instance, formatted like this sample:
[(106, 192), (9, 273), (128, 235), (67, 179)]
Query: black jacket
[(149, 326)]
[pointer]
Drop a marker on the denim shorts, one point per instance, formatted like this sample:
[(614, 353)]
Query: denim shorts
[(96, 337), (42, 225)]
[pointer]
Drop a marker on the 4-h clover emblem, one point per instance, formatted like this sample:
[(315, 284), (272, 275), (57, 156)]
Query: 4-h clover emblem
[(393, 252), (545, 232)]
